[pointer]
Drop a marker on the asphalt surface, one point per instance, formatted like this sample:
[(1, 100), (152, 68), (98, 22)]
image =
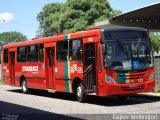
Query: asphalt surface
[(43, 105)]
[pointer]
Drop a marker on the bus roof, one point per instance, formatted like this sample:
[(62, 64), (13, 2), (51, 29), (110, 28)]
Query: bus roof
[(125, 28), (58, 37)]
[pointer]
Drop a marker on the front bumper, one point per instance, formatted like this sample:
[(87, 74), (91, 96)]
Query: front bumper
[(128, 89)]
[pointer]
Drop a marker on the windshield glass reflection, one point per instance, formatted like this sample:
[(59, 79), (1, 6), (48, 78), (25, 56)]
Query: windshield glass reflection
[(127, 54)]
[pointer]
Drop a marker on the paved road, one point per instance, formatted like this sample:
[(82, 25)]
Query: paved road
[(63, 106)]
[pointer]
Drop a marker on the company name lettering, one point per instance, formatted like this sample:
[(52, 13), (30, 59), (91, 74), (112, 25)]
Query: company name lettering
[(30, 68)]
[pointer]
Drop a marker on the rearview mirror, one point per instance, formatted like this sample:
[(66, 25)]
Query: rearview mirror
[(103, 48)]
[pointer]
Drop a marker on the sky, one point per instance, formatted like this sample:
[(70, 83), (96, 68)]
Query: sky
[(20, 15)]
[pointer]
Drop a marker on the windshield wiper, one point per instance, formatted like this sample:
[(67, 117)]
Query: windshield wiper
[(138, 43), (121, 44)]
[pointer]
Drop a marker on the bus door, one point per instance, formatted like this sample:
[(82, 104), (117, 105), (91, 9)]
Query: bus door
[(12, 67), (89, 67), (50, 65)]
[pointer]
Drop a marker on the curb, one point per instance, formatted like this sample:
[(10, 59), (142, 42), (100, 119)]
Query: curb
[(151, 94), (147, 96)]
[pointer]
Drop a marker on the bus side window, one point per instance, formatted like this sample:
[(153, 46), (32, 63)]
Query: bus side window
[(75, 49), (89, 54), (41, 52), (62, 50), (5, 57), (33, 53), (22, 54)]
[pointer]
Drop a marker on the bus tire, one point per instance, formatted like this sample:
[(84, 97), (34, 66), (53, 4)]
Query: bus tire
[(24, 87), (80, 93)]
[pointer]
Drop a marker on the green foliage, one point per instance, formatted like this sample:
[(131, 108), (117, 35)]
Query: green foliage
[(116, 12), (157, 88), (155, 38), (1, 82), (49, 19), (74, 15), (9, 37)]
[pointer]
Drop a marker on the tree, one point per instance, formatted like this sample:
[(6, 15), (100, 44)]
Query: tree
[(49, 19), (74, 15), (155, 39), (10, 37), (116, 12)]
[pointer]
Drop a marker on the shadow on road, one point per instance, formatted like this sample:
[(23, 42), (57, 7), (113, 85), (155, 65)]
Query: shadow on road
[(104, 101), (9, 111)]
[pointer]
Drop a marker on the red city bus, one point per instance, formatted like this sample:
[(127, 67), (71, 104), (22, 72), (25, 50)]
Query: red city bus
[(103, 62)]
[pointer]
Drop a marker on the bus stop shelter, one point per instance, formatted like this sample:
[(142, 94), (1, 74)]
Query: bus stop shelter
[(147, 17)]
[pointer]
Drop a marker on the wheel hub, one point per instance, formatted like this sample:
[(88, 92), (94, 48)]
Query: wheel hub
[(79, 92), (24, 86)]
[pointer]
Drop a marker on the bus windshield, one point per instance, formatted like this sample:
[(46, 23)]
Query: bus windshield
[(127, 54)]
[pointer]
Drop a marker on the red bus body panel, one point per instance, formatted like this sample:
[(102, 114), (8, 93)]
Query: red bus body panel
[(64, 73)]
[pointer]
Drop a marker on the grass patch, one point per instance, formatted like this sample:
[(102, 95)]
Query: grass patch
[(1, 82), (157, 88)]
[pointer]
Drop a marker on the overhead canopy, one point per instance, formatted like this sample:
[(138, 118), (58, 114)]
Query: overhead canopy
[(147, 17)]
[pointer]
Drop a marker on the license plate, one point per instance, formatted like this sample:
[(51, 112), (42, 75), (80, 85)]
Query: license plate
[(133, 86)]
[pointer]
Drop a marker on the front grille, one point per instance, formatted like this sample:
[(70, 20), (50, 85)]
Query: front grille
[(132, 77)]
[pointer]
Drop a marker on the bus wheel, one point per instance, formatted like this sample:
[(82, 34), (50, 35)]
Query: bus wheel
[(24, 87), (80, 93)]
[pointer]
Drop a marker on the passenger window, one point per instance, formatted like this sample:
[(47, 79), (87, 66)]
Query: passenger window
[(75, 49), (41, 52), (22, 54), (62, 50), (33, 53), (5, 57)]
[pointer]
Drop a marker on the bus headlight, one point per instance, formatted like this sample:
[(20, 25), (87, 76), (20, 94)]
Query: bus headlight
[(109, 79), (152, 76)]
